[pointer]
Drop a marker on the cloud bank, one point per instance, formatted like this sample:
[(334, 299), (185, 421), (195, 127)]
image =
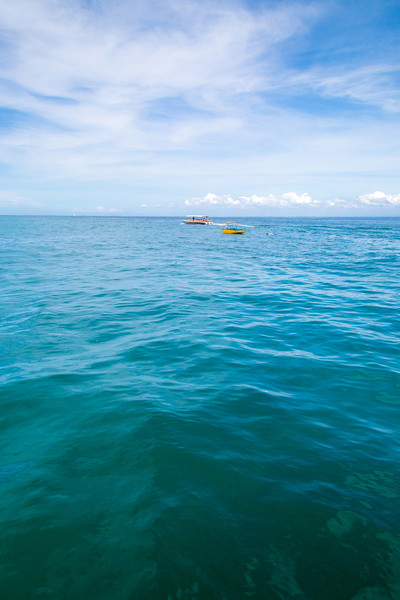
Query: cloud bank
[(292, 199), (380, 199)]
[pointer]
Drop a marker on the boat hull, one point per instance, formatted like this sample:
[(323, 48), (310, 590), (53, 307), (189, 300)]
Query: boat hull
[(234, 231), (196, 223)]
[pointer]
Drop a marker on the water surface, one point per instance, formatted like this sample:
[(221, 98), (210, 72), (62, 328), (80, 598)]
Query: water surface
[(195, 416)]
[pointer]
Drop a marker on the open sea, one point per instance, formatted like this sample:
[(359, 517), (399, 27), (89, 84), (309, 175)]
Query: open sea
[(187, 415)]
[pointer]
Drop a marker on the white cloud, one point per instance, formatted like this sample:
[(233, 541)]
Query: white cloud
[(292, 199), (7, 197), (373, 84), (111, 210), (10, 200), (287, 199), (336, 202), (100, 84), (380, 199), (213, 200)]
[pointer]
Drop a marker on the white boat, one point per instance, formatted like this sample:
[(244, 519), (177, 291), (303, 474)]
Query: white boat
[(197, 220)]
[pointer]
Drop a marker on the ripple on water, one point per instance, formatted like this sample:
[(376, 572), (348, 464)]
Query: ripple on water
[(188, 416)]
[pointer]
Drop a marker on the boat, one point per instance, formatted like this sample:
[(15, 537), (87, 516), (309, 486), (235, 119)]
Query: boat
[(197, 220), (231, 227)]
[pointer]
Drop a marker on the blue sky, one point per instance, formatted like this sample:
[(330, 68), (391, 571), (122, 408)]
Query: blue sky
[(133, 107)]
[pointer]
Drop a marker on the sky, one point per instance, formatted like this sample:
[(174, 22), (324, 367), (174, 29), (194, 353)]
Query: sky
[(250, 108)]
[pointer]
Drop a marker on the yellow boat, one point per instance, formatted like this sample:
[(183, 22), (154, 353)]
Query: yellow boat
[(232, 227)]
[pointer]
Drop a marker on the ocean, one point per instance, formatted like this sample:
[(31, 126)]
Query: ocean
[(187, 415)]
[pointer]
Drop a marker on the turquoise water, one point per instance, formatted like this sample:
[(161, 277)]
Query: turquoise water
[(190, 415)]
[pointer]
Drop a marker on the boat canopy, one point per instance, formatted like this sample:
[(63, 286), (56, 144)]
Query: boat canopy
[(233, 226), (198, 216)]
